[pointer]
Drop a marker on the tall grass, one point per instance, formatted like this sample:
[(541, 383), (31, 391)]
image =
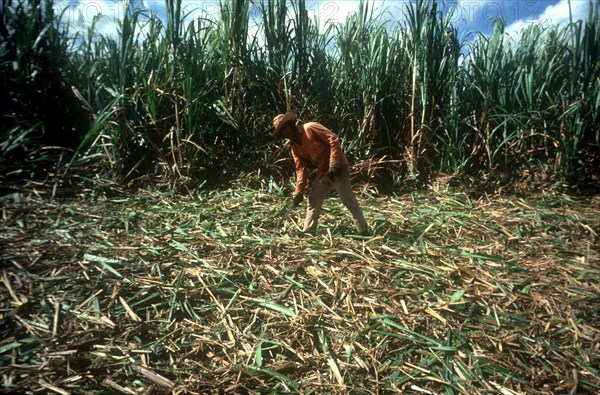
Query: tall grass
[(38, 110), (183, 98), (529, 97)]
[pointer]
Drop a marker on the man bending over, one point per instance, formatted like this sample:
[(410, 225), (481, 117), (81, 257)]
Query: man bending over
[(315, 145)]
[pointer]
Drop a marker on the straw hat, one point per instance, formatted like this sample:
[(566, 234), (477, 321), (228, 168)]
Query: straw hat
[(281, 120)]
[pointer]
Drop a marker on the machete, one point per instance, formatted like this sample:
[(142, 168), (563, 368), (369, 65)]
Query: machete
[(285, 215)]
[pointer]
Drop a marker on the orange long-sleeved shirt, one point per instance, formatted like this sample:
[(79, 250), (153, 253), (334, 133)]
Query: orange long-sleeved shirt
[(318, 147)]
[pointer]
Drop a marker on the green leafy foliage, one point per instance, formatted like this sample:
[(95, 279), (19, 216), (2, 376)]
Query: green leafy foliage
[(39, 112)]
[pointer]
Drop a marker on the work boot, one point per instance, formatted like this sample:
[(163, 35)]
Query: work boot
[(308, 232), (361, 227)]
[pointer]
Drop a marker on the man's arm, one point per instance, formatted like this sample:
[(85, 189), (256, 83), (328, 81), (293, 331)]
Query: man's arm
[(337, 160), (336, 155), (301, 174)]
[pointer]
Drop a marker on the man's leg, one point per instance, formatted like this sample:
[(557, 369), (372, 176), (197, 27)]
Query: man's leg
[(319, 190), (344, 189)]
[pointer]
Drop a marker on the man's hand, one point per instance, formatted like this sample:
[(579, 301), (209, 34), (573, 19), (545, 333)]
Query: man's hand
[(297, 199), (335, 169)]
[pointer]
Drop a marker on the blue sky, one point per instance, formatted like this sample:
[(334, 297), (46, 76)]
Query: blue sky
[(469, 15)]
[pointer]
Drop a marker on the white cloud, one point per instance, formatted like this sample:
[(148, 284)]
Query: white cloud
[(194, 9), (477, 15), (556, 14), (328, 12), (80, 15)]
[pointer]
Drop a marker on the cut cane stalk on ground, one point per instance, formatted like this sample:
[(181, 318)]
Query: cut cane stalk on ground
[(451, 294)]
